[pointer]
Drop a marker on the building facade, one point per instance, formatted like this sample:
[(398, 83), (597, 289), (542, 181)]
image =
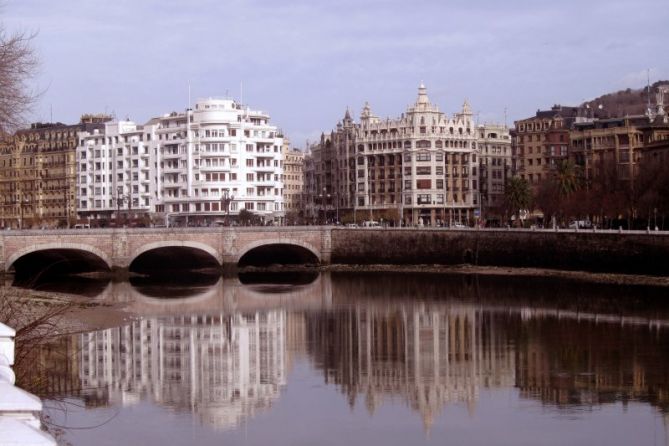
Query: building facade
[(38, 174), (616, 145), (418, 169), (542, 142), (195, 168), (495, 167), (116, 180), (293, 181)]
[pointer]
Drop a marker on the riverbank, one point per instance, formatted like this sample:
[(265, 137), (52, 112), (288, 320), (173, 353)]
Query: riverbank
[(35, 313)]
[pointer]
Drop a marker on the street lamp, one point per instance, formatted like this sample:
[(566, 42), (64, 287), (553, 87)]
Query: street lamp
[(226, 199), (323, 197), (22, 202), (120, 198)]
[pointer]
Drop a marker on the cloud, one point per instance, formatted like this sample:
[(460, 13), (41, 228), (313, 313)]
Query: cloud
[(304, 61)]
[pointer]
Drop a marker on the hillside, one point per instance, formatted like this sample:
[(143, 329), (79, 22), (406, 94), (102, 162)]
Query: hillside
[(626, 102)]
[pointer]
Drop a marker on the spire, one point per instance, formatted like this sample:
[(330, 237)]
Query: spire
[(422, 95), (347, 116), (466, 108), (366, 111)]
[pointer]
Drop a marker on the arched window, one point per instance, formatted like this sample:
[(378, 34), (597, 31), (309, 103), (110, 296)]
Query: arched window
[(439, 144)]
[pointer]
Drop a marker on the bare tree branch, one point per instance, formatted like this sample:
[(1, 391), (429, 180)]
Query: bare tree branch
[(18, 66)]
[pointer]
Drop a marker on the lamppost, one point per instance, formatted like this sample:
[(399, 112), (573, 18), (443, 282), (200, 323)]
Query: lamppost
[(324, 204), (226, 199), (120, 198), (336, 196), (22, 202)]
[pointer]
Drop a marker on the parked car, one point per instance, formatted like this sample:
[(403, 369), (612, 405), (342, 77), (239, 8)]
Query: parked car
[(371, 224), (351, 225), (580, 224)]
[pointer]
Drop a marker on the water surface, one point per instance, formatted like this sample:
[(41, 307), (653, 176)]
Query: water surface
[(369, 358)]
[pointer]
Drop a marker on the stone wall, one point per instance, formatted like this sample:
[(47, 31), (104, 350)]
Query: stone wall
[(634, 253)]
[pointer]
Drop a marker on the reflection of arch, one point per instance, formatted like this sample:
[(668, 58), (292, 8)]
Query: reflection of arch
[(57, 245), (276, 241), (176, 244)]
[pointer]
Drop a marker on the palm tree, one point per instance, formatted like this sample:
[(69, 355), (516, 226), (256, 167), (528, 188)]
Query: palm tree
[(517, 195), (568, 177)]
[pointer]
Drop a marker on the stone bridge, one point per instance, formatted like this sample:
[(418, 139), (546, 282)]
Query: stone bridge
[(117, 249)]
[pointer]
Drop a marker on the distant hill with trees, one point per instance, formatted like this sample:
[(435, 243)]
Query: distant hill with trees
[(625, 102)]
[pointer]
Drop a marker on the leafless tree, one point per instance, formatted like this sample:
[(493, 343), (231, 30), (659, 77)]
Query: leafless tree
[(18, 66)]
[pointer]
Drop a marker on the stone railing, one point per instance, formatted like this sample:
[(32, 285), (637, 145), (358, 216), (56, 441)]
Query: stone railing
[(19, 410)]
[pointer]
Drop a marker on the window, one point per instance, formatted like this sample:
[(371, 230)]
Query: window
[(423, 170), (423, 156), (407, 157), (440, 184), (424, 184), (424, 199)]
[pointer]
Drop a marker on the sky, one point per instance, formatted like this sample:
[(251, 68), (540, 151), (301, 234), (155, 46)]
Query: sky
[(305, 61)]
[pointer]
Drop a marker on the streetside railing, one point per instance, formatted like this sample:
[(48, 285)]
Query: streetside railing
[(19, 410)]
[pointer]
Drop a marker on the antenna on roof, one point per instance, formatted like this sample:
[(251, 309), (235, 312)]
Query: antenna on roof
[(505, 117), (188, 105), (648, 110)]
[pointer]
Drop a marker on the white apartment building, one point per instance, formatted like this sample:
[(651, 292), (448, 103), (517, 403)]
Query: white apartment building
[(116, 172), (193, 168), (218, 152)]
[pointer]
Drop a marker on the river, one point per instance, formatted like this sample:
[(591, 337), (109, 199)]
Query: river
[(354, 358)]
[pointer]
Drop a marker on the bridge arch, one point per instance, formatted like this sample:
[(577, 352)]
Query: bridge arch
[(58, 256), (166, 244), (277, 242), (57, 246)]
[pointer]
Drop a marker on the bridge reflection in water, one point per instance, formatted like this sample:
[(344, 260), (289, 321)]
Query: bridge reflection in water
[(226, 353)]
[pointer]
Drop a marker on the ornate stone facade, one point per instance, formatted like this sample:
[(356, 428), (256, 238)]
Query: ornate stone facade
[(418, 169), (38, 172)]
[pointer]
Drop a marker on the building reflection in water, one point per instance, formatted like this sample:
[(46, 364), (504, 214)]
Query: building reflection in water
[(223, 368), (429, 356), (380, 341)]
